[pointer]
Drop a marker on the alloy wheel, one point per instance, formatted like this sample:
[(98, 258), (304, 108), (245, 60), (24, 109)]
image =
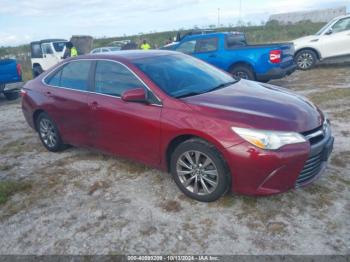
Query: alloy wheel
[(305, 60), (48, 133), (241, 75), (197, 172)]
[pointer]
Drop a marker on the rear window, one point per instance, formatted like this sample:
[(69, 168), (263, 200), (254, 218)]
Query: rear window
[(74, 75), (233, 41), (59, 46)]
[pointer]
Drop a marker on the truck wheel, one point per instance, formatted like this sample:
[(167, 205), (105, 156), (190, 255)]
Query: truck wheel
[(11, 95), (37, 70), (242, 72), (305, 59)]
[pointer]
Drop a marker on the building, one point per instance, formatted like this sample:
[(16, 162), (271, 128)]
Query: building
[(316, 16)]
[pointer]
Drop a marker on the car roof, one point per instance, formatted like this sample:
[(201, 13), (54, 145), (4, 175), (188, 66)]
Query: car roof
[(49, 41), (214, 34), (129, 55), (106, 47)]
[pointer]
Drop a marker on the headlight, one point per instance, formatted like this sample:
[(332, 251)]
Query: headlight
[(270, 140)]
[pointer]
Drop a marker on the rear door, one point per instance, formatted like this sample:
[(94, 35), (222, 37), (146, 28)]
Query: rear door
[(66, 92), (123, 128)]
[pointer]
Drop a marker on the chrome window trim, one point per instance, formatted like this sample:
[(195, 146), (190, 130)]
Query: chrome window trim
[(317, 133), (86, 91)]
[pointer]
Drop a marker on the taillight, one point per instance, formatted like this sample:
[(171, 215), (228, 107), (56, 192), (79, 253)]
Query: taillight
[(19, 69), (275, 56), (23, 92)]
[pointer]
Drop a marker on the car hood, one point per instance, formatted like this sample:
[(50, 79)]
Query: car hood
[(261, 106), (306, 39)]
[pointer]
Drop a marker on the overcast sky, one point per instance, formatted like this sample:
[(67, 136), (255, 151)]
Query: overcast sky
[(22, 21)]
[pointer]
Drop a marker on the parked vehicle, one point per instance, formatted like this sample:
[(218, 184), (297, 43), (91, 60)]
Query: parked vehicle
[(179, 114), (230, 52), (10, 73), (105, 49), (48, 52), (332, 41)]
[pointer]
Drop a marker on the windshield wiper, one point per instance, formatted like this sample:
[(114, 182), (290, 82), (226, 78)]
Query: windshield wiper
[(188, 94), (223, 85)]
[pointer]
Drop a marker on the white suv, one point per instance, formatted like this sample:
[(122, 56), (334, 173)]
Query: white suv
[(333, 40)]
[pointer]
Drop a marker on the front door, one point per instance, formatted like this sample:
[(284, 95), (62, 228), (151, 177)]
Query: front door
[(49, 58), (338, 42), (127, 129)]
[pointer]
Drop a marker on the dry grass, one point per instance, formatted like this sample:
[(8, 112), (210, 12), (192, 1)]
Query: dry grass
[(331, 95), (9, 188)]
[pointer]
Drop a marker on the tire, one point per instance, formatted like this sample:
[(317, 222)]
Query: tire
[(11, 95), (242, 72), (305, 59), (49, 134), (201, 181), (37, 70)]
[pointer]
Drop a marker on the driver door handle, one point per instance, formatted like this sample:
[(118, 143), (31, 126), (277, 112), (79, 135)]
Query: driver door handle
[(94, 105)]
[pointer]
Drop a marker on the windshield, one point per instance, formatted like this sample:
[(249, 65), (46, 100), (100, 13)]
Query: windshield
[(325, 27), (180, 75), (59, 46)]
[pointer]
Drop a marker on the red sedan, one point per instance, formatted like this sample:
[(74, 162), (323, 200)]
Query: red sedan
[(174, 112)]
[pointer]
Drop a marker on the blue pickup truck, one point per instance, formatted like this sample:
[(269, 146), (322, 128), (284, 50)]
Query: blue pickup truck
[(230, 52), (10, 75)]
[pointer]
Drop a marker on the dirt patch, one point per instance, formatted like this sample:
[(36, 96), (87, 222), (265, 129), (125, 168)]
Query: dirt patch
[(85, 202), (171, 206), (330, 96)]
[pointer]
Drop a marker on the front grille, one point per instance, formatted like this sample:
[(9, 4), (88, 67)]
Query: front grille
[(314, 136), (312, 167)]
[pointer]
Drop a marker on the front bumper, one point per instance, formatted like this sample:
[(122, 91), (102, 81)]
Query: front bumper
[(276, 73), (260, 172)]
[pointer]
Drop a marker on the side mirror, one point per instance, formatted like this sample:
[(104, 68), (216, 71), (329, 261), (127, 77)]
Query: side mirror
[(329, 31), (135, 95)]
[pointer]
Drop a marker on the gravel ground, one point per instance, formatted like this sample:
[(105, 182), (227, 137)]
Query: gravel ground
[(84, 202)]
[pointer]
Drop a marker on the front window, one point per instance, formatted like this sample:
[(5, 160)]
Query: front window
[(323, 29), (46, 49), (206, 45), (341, 25), (113, 79), (181, 76), (59, 46)]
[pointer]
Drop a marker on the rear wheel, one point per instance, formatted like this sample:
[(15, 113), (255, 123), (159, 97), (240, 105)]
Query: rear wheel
[(48, 133), (306, 59), (11, 95), (242, 72), (37, 70), (199, 170)]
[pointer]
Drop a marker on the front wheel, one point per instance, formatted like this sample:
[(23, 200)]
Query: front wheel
[(49, 134), (199, 170), (305, 59), (242, 72)]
